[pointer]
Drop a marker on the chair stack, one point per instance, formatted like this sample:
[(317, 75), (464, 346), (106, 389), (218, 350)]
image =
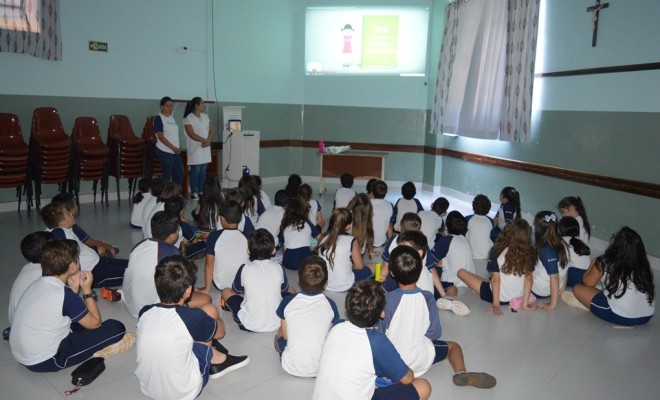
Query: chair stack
[(14, 158), (50, 150), (126, 152), (151, 161), (89, 158)]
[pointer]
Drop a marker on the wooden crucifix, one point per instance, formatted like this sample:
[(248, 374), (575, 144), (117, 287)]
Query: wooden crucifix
[(595, 14)]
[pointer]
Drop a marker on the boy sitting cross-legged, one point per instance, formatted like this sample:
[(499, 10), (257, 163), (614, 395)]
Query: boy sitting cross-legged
[(354, 354), (258, 287), (412, 323), (53, 328), (175, 356), (306, 318)]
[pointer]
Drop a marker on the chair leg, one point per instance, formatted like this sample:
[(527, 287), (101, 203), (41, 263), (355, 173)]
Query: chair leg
[(117, 181), (94, 187), (19, 192)]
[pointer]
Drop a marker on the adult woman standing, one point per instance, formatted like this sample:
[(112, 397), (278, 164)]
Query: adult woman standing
[(167, 145), (199, 134)]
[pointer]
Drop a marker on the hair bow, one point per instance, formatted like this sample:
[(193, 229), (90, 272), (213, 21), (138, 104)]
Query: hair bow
[(550, 217)]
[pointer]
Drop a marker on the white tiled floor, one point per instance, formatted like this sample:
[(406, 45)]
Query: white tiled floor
[(563, 354)]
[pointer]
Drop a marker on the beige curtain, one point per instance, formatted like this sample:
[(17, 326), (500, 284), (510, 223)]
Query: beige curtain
[(523, 17), (486, 69), (31, 27)]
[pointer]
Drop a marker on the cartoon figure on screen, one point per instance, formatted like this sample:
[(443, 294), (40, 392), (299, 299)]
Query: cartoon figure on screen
[(347, 49)]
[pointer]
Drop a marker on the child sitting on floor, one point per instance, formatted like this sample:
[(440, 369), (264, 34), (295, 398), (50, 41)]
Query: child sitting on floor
[(106, 271), (412, 324), (226, 249), (354, 355), (433, 224), (305, 319), (258, 287), (176, 346), (31, 248), (345, 193), (53, 328)]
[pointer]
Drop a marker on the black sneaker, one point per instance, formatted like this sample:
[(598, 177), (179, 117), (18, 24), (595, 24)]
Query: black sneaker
[(216, 345), (230, 364), (480, 380)]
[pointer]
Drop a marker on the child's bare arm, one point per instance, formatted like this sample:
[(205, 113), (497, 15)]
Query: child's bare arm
[(495, 284), (208, 274)]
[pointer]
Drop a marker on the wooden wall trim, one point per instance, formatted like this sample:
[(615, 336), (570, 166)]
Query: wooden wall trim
[(600, 70), (624, 185)]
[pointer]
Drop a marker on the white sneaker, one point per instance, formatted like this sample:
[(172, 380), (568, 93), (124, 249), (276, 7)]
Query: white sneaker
[(457, 307)]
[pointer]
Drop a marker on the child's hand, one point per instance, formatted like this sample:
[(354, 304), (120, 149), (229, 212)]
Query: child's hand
[(202, 289), (86, 280), (73, 282), (496, 310), (532, 307), (544, 306)]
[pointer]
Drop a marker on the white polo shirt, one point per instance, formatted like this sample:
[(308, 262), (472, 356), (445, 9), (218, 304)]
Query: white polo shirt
[(170, 129), (308, 319), (29, 273), (139, 288), (478, 234), (262, 283), (343, 196), (88, 257), (381, 220), (455, 253), (166, 365), (271, 220), (340, 272), (431, 224), (43, 319), (230, 249), (137, 213), (195, 152)]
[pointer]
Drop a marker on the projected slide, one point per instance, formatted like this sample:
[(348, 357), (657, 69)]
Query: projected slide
[(366, 40)]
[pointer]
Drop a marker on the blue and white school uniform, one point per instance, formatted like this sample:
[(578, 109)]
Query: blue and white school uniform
[(403, 206), (245, 225), (577, 264), (106, 271), (425, 281), (308, 319), (432, 225), (511, 286), (297, 244), (412, 324), (138, 210), (43, 321), (314, 207), (341, 275), (261, 282), (172, 363), (271, 220), (630, 309), (139, 287), (265, 200), (254, 213), (29, 273), (352, 359), (381, 220), (169, 161), (505, 214), (230, 249), (478, 234), (146, 212), (455, 253), (343, 196), (584, 236), (546, 266), (146, 228)]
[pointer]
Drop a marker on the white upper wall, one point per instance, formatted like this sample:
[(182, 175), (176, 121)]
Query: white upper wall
[(141, 63)]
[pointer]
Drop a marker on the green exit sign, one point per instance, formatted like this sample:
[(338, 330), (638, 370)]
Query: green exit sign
[(98, 46)]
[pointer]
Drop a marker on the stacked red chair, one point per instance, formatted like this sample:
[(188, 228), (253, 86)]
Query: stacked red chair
[(126, 152), (151, 161), (89, 157), (14, 158), (50, 151)]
